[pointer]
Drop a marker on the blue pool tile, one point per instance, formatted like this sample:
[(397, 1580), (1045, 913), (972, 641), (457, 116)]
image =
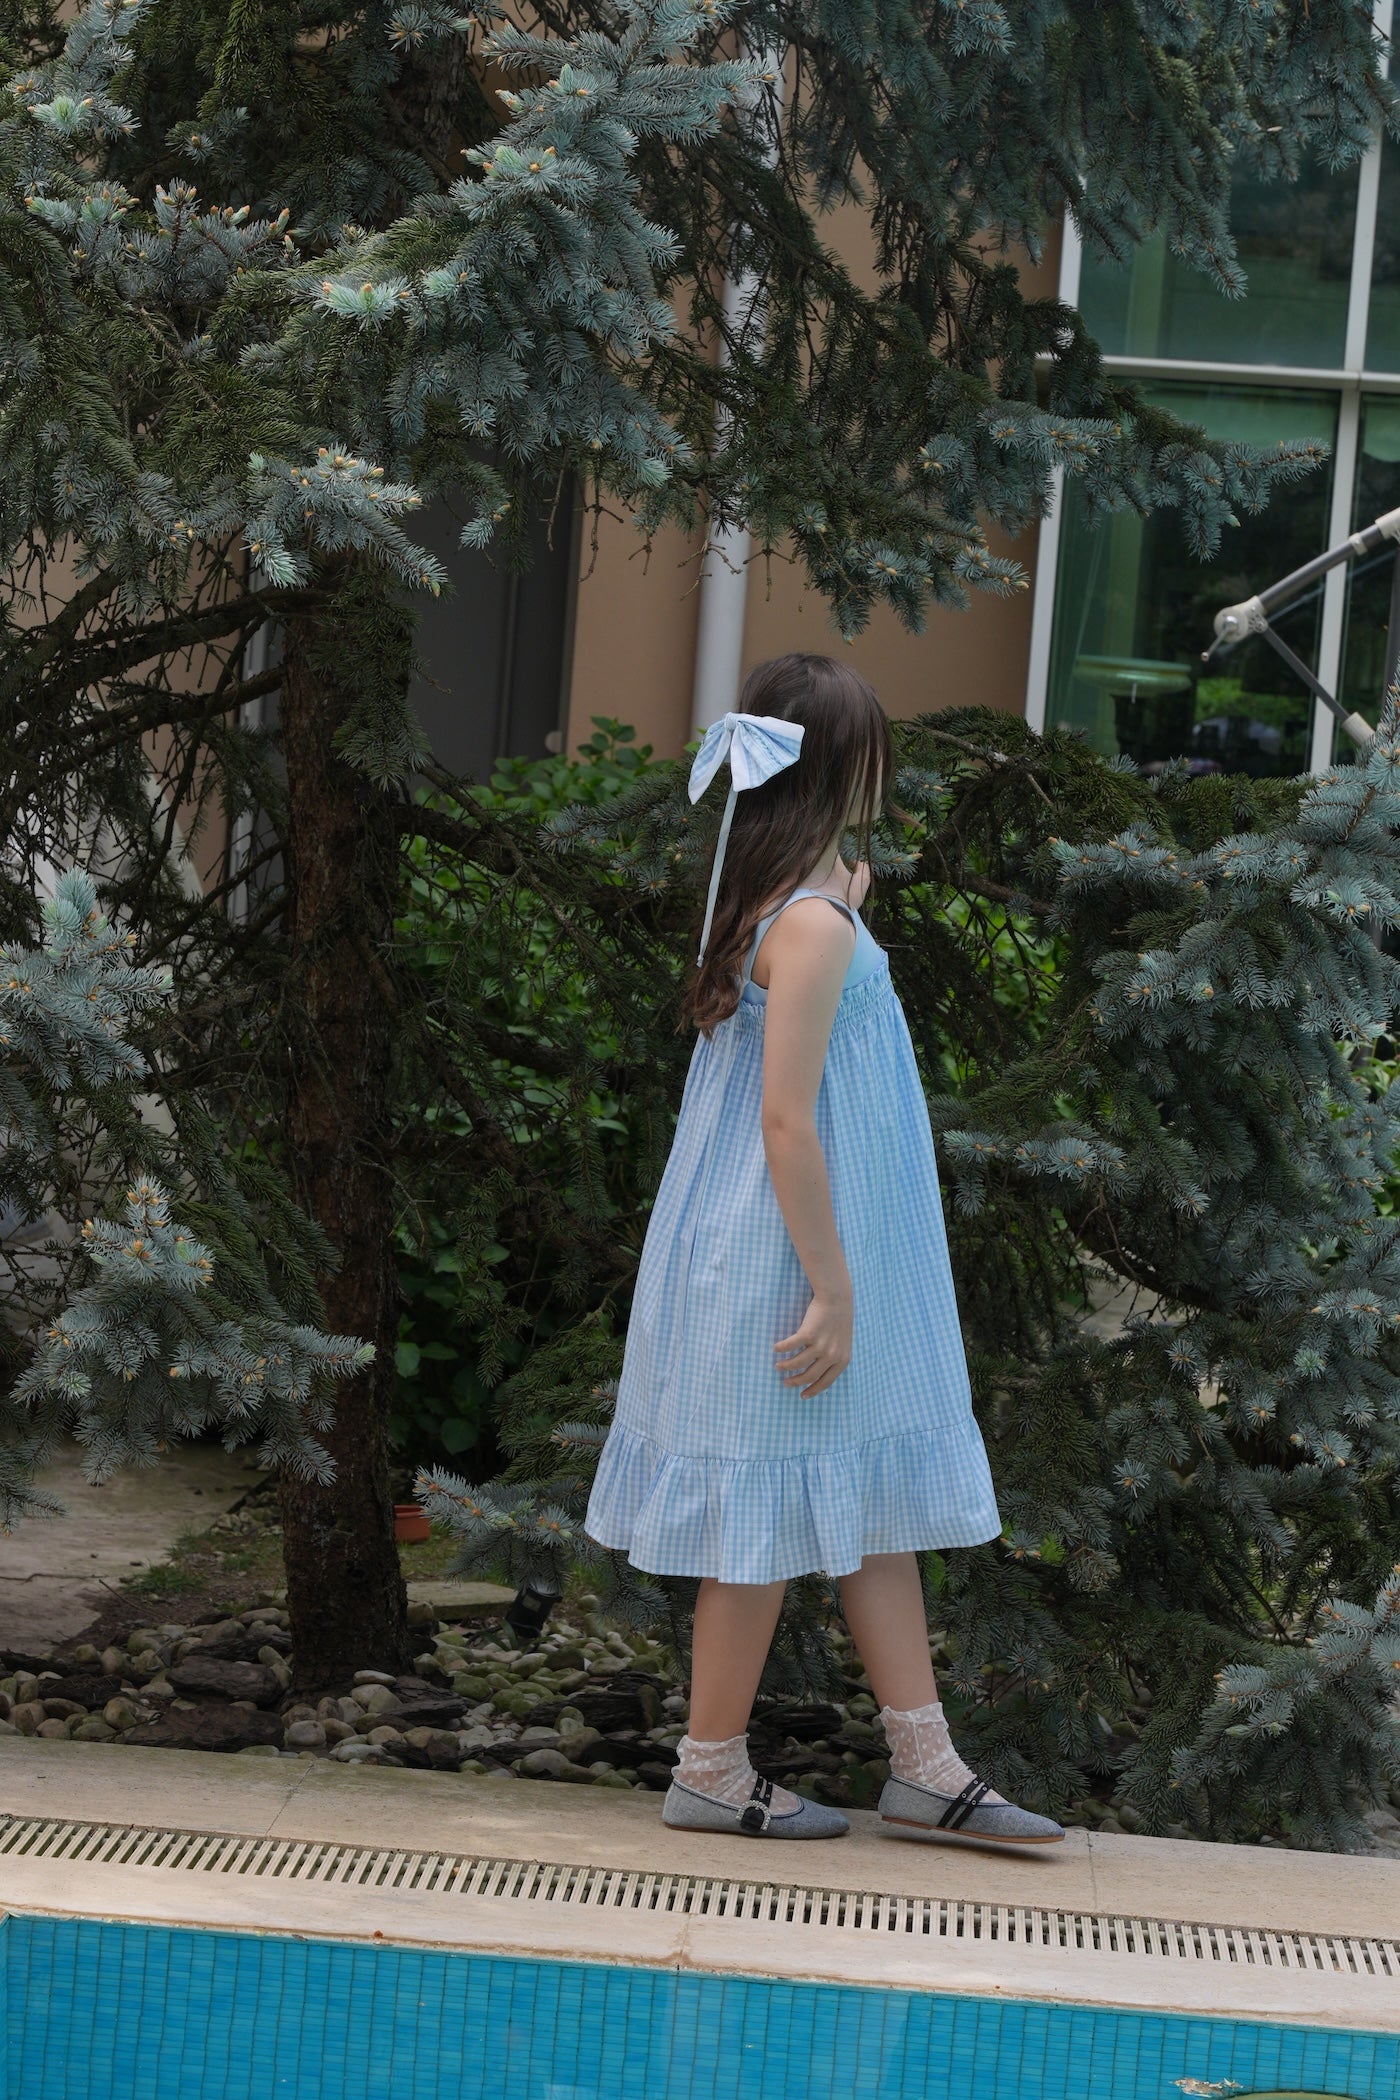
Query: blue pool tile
[(98, 2011)]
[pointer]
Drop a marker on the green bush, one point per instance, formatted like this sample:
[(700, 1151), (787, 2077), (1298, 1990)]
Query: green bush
[(474, 1307)]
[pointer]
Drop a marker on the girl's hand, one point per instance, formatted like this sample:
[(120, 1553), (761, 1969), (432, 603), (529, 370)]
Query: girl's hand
[(821, 1348)]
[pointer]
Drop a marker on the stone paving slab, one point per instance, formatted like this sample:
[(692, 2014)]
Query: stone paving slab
[(448, 1595), (57, 1573), (586, 1826)]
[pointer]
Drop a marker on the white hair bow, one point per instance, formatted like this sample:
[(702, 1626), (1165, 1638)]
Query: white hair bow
[(757, 747)]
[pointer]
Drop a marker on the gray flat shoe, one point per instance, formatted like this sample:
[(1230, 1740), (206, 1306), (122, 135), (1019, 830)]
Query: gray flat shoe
[(965, 1815), (685, 1809)]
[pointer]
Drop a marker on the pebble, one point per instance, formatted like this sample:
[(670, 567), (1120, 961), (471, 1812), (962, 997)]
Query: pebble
[(372, 1677), (581, 1745), (259, 1750), (443, 1740), (304, 1735), (546, 1764), (354, 1752)]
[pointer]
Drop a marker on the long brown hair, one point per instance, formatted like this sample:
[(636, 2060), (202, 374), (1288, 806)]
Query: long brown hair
[(781, 829)]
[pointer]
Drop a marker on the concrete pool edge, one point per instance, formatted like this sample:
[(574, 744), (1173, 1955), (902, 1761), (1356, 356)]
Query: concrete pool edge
[(310, 1804)]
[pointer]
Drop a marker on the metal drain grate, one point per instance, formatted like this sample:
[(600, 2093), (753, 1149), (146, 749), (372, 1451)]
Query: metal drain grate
[(615, 1888)]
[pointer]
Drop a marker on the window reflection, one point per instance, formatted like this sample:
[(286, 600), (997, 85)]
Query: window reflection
[(1383, 328), (1294, 242), (1133, 609), (1368, 582)]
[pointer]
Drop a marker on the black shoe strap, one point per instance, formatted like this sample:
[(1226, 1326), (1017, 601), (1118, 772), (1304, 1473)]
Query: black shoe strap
[(758, 1813), (960, 1808)]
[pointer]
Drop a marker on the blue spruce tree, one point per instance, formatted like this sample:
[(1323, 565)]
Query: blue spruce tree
[(120, 1332)]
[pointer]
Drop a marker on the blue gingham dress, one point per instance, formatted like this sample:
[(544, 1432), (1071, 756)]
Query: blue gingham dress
[(713, 1466)]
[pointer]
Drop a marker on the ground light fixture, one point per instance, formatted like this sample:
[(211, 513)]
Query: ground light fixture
[(1236, 623), (529, 1608)]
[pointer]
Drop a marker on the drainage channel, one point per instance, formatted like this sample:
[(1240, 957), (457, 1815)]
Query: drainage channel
[(627, 1889)]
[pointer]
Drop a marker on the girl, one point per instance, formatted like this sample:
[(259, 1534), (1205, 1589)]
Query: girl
[(794, 1396)]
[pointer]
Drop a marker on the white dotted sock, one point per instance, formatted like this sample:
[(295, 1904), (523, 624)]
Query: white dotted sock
[(921, 1750), (722, 1770)]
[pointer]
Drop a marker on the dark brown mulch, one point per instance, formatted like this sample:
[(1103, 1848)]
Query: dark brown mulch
[(209, 1728), (199, 1675), (89, 1690), (631, 1699), (20, 1659), (246, 1647)]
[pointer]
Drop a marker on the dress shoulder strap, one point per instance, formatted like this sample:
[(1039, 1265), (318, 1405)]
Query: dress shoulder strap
[(766, 921)]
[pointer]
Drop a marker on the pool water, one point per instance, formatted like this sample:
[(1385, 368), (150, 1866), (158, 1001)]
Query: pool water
[(102, 2011)]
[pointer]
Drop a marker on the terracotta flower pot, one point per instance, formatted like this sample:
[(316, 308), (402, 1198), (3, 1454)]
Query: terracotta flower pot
[(410, 1522)]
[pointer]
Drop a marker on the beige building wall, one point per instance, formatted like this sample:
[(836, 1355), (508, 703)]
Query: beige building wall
[(635, 621)]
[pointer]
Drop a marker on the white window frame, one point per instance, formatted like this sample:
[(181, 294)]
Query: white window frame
[(1348, 383)]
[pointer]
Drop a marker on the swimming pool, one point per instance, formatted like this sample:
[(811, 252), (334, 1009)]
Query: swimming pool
[(96, 2010)]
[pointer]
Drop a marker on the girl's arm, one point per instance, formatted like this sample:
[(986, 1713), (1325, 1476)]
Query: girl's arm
[(807, 951)]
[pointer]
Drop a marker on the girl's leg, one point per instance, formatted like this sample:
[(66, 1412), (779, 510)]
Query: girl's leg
[(734, 1624), (883, 1604)]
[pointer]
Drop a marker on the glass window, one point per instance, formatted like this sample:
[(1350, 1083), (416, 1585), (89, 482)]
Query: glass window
[(1133, 609), (1368, 581), (1294, 242), (1383, 326)]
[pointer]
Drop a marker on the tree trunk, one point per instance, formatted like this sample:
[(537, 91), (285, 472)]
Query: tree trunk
[(345, 1592)]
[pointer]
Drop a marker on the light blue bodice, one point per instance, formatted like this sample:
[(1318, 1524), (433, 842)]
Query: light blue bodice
[(866, 956)]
